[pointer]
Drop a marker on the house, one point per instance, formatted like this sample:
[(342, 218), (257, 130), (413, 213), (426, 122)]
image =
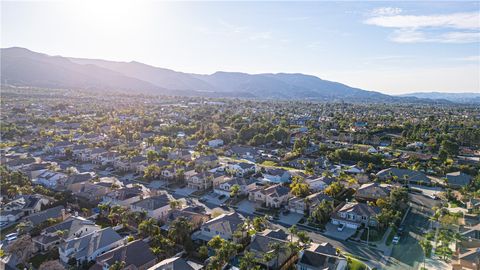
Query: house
[(246, 185), (17, 164), (191, 213), (57, 213), (49, 179), (353, 214), (94, 191), (241, 169), (75, 183), (176, 263), (458, 179), (224, 226), (168, 173), (182, 154), (320, 183), (199, 181), (303, 205), (261, 244), (22, 205), (156, 206), (245, 152), (136, 255), (371, 192), (72, 227), (311, 260), (209, 161), (125, 196), (276, 175), (215, 143), (410, 176), (273, 196), (88, 247)]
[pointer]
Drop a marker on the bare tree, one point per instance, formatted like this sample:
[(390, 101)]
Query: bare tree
[(51, 265)]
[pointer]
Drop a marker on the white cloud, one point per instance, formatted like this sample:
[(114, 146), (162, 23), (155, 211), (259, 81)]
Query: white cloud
[(416, 36), (466, 20), (444, 28), (389, 11)]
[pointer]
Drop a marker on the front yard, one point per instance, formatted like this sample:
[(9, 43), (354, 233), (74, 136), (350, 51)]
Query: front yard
[(375, 234)]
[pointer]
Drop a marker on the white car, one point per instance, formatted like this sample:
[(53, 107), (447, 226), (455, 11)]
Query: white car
[(396, 239), (341, 227)]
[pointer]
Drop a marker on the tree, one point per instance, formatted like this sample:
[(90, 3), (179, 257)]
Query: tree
[(203, 252), (321, 213), (179, 231), (259, 223), (234, 190), (427, 249), (152, 156), (148, 227), (51, 265), (152, 171), (23, 248), (334, 189), (175, 204), (118, 265), (248, 262), (299, 187), (276, 248)]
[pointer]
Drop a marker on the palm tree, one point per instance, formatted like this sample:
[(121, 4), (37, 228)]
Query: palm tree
[(248, 262), (427, 249), (276, 248), (293, 232), (118, 265)]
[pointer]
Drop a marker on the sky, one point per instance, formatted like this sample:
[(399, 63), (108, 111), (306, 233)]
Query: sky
[(390, 47)]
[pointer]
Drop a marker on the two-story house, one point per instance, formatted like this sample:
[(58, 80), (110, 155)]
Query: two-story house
[(272, 196), (353, 215)]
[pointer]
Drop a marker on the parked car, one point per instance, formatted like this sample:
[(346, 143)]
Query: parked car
[(400, 231), (396, 239), (341, 227)]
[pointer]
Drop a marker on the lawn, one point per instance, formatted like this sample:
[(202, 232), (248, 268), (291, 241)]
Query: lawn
[(354, 264), (390, 237), (38, 259), (375, 235)]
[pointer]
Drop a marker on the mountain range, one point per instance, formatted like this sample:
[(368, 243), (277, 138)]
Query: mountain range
[(453, 97), (22, 67)]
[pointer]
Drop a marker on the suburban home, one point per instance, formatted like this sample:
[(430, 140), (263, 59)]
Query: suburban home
[(34, 170), (458, 179), (272, 196), (276, 175), (182, 154), (199, 181), (156, 206), (245, 152), (404, 175), (168, 173), (22, 205), (49, 179), (38, 218), (176, 263), (88, 247), (224, 226), (215, 143), (246, 185), (72, 227), (135, 254), (371, 192), (125, 196), (320, 183), (311, 260), (194, 217), (76, 182), (241, 169), (261, 244), (96, 190), (219, 178), (353, 215), (209, 161), (303, 205), (17, 164)]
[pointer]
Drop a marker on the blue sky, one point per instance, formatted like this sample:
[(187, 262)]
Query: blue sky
[(391, 47)]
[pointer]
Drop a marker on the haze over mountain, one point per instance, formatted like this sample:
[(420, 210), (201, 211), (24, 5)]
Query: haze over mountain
[(22, 67), (453, 97)]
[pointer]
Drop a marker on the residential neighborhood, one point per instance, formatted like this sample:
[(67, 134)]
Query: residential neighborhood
[(184, 183)]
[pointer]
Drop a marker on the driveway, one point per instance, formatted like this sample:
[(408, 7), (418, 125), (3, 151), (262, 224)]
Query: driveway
[(332, 231), (290, 219), (214, 198), (246, 207), (184, 191)]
